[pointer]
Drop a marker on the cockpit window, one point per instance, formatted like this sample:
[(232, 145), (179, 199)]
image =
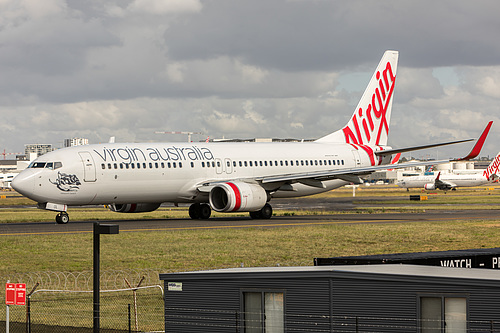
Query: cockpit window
[(38, 165), (46, 165)]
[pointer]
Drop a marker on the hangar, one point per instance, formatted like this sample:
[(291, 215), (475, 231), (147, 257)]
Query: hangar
[(351, 298)]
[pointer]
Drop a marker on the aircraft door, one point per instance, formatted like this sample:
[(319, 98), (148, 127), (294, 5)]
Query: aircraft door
[(357, 158), (218, 166), (228, 165), (89, 173)]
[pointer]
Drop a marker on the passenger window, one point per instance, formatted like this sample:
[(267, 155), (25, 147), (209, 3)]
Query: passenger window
[(116, 166), (156, 165), (180, 164), (174, 165), (192, 164), (163, 165), (250, 163), (109, 165), (138, 165), (103, 166), (132, 165)]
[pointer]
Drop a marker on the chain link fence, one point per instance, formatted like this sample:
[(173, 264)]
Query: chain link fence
[(129, 302)]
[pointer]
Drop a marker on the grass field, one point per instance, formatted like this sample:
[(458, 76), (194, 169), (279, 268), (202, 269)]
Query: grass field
[(208, 249)]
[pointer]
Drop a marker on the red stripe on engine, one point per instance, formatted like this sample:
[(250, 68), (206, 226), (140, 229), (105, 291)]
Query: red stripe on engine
[(133, 207), (237, 196)]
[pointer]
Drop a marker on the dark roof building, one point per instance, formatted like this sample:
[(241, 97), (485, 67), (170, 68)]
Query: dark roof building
[(367, 298)]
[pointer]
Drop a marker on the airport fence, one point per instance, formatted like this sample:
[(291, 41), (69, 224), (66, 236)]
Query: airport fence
[(58, 311), (63, 302)]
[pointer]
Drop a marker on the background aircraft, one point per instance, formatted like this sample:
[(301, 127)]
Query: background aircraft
[(448, 182)]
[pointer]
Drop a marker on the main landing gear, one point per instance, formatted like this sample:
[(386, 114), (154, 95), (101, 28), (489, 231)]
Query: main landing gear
[(200, 211), (62, 218), (264, 213)]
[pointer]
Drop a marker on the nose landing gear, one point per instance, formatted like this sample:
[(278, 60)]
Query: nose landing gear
[(62, 218)]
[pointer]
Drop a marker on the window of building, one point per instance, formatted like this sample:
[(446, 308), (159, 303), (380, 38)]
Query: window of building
[(263, 312), (442, 314)]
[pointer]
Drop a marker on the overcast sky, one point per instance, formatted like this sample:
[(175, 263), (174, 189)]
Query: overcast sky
[(244, 69)]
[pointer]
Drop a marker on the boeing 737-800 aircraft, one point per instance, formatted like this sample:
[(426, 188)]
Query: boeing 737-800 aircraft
[(448, 182), (226, 177)]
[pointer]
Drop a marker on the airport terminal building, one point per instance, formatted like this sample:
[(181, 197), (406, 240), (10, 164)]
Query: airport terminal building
[(353, 298)]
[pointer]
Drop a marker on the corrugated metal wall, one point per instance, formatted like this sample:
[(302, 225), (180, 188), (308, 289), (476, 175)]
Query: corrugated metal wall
[(366, 302)]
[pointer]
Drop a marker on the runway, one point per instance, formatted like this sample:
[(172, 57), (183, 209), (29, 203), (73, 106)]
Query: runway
[(47, 228)]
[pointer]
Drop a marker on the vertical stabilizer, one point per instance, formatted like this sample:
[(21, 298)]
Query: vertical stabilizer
[(369, 124), (493, 169)]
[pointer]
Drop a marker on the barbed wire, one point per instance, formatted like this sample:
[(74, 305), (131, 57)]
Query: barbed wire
[(110, 279)]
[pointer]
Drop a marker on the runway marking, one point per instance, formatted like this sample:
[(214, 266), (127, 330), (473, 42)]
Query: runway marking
[(316, 222), (218, 227)]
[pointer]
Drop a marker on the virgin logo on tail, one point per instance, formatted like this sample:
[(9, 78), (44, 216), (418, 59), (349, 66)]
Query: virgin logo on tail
[(492, 168), (375, 111)]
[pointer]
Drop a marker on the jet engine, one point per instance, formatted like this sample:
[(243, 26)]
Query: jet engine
[(430, 186), (237, 197), (134, 208)]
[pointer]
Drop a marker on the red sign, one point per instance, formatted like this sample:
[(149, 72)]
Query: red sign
[(15, 293)]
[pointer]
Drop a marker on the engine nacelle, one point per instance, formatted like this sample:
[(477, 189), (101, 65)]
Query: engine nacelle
[(134, 208), (430, 186), (237, 197)]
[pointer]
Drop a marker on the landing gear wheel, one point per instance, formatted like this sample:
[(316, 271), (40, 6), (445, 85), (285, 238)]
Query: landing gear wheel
[(62, 218), (205, 211), (194, 211), (255, 215), (264, 213), (200, 211)]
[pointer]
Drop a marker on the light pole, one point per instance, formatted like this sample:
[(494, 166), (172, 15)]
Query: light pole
[(99, 229)]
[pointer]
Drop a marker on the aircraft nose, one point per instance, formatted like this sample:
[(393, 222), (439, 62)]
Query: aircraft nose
[(24, 183)]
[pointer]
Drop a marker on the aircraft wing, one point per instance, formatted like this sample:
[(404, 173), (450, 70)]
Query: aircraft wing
[(444, 185), (351, 175)]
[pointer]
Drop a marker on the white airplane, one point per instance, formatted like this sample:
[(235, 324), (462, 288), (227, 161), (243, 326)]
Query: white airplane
[(226, 177), (448, 182), (6, 179)]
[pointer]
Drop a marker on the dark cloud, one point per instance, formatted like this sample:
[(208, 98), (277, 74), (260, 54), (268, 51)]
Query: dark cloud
[(241, 68)]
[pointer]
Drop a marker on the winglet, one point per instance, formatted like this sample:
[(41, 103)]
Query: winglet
[(478, 146)]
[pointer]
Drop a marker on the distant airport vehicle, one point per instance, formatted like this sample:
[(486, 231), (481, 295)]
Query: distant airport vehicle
[(448, 182), (225, 177)]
